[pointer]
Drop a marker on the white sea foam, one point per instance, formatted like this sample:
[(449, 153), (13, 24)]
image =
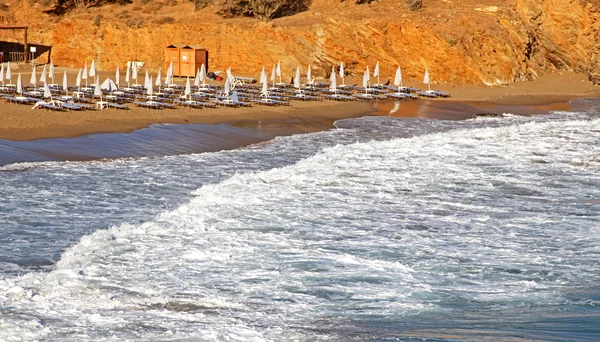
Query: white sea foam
[(383, 229)]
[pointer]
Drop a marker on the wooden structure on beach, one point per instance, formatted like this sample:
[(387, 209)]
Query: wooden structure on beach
[(186, 59), (17, 56)]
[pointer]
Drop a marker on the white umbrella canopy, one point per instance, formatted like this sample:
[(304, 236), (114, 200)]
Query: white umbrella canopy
[(92, 69), (279, 70), (65, 83), (78, 80), (227, 89), (33, 79), (342, 75), (47, 93), (169, 77), (127, 75), (2, 74), (273, 74), (84, 74), (51, 71), (19, 85), (263, 76), (8, 74), (376, 72), (366, 80), (203, 73), (426, 79), (309, 75), (134, 74), (265, 89), (149, 89), (109, 85), (188, 88), (97, 89), (146, 79), (398, 78), (117, 76), (158, 78), (197, 78), (43, 76), (333, 79), (297, 78)]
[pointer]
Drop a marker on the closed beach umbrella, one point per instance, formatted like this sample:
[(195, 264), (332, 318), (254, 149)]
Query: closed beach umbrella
[(188, 87), (43, 76), (426, 78), (376, 72), (297, 78), (65, 84), (263, 76), (227, 89), (333, 79), (78, 80), (265, 89), (203, 73), (134, 75), (33, 79), (398, 78), (2, 74), (273, 74), (127, 75), (366, 80), (51, 72), (147, 79), (158, 78), (278, 70), (149, 89), (92, 69), (197, 78), (117, 77), (342, 75), (309, 75), (97, 89), (47, 93), (8, 75), (19, 85), (169, 77), (84, 74)]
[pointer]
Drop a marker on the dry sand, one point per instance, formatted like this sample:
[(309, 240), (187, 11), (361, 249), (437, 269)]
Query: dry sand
[(551, 92)]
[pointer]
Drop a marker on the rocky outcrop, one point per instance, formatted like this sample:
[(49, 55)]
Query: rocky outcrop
[(461, 42)]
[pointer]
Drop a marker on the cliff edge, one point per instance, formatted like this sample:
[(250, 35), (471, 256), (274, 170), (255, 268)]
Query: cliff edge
[(488, 42)]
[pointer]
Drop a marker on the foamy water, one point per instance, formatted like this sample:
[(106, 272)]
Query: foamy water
[(383, 229)]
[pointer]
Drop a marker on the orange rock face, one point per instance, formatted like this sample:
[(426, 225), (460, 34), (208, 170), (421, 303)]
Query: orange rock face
[(460, 41)]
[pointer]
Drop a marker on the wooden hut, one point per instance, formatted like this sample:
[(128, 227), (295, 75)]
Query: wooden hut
[(186, 59)]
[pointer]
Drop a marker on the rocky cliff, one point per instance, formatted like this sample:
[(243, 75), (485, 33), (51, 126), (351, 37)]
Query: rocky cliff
[(460, 41)]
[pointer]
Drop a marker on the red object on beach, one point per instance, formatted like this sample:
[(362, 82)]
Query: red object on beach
[(218, 78)]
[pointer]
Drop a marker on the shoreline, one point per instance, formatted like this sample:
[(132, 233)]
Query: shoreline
[(547, 93)]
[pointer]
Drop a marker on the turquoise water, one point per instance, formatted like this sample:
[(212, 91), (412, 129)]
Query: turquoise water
[(381, 229)]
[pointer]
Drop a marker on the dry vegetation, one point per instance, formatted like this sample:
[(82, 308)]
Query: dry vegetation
[(261, 9)]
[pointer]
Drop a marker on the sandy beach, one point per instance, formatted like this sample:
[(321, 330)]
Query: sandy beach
[(550, 92)]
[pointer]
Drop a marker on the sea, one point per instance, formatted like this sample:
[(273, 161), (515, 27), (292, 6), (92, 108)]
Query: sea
[(379, 229)]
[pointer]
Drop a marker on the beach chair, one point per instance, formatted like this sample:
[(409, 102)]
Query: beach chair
[(427, 93), (117, 106)]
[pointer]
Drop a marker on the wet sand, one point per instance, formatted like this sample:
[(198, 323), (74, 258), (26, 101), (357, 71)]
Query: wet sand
[(20, 122), (39, 135)]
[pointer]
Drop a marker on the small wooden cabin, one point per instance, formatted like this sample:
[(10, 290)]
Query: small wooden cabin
[(186, 59)]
